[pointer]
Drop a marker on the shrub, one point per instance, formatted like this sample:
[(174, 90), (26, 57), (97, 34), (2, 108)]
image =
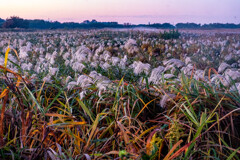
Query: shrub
[(171, 34)]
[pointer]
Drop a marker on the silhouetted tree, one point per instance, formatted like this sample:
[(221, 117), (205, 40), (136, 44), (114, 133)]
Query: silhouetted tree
[(1, 22), (188, 25), (220, 25), (15, 22), (86, 21), (158, 25), (94, 21)]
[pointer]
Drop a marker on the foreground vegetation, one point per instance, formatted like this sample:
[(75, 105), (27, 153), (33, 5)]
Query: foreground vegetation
[(90, 95)]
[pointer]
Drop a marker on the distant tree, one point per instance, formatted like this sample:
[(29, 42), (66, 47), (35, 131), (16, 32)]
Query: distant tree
[(164, 25), (188, 25), (39, 24), (220, 25), (1, 22), (15, 22), (86, 21), (167, 25), (94, 21)]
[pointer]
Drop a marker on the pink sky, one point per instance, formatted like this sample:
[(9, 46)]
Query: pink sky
[(133, 11)]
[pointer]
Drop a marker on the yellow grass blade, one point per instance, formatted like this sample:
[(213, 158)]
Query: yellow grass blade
[(78, 138), (143, 133), (93, 130), (40, 91), (86, 109), (67, 124), (6, 57), (60, 109), (57, 115)]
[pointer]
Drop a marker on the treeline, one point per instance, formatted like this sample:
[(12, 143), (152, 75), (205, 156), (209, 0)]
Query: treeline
[(206, 26), (16, 22)]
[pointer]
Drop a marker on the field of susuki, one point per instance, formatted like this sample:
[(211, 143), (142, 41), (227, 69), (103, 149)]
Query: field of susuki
[(119, 94)]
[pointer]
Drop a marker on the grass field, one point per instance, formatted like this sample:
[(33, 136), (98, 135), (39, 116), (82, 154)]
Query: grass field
[(120, 94)]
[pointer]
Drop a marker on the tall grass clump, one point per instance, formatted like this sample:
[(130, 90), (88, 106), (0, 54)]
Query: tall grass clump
[(171, 34)]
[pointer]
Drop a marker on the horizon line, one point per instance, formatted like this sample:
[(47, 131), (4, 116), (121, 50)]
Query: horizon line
[(127, 22)]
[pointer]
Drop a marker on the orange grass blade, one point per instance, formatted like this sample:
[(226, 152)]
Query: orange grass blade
[(209, 73), (1, 120), (148, 145), (172, 150), (125, 136), (4, 93), (10, 71), (16, 54), (180, 151), (145, 106)]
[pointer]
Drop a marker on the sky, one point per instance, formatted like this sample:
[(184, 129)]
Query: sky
[(125, 11)]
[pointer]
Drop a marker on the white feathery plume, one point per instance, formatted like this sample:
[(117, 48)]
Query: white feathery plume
[(71, 85), (156, 75), (140, 67)]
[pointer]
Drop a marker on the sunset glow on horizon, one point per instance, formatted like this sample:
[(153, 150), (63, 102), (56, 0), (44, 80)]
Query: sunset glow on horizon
[(132, 11)]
